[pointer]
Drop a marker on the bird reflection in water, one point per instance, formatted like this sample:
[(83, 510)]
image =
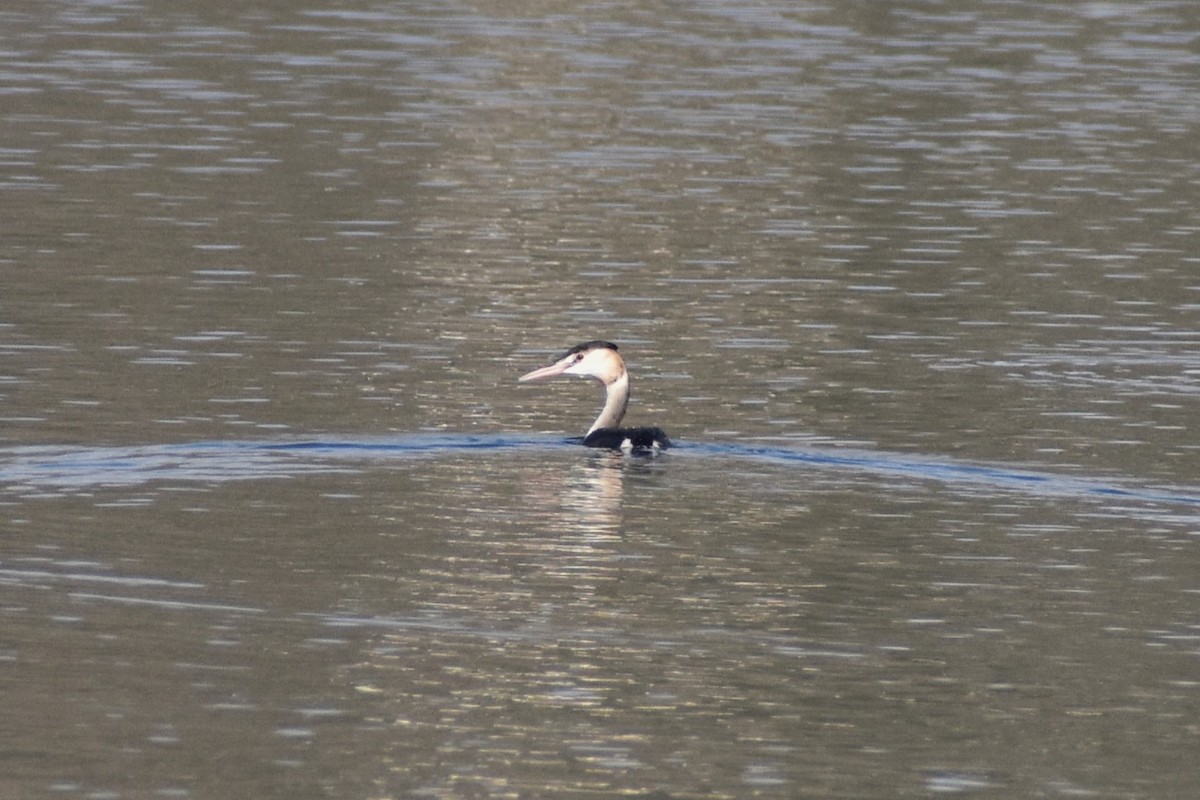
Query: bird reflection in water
[(583, 518), (587, 497)]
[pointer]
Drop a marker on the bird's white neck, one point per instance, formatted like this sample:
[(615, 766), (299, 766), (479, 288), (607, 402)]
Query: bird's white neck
[(615, 401)]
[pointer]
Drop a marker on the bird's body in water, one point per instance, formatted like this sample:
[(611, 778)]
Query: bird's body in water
[(600, 360)]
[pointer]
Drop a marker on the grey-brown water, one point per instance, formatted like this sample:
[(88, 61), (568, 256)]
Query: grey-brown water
[(914, 285)]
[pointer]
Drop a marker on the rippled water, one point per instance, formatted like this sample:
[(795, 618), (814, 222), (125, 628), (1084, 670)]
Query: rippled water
[(913, 284)]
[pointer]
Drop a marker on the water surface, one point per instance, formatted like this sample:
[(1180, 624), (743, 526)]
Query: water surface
[(913, 284)]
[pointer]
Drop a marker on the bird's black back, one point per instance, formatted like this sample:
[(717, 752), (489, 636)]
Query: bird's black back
[(628, 438)]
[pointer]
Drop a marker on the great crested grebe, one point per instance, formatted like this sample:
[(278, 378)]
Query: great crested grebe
[(600, 360)]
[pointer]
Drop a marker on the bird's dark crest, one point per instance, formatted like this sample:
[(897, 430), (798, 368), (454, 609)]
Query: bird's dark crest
[(592, 345)]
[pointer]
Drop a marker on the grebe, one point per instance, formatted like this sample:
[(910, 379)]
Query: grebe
[(600, 360)]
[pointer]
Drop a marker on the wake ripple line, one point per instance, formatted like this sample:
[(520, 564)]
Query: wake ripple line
[(31, 468)]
